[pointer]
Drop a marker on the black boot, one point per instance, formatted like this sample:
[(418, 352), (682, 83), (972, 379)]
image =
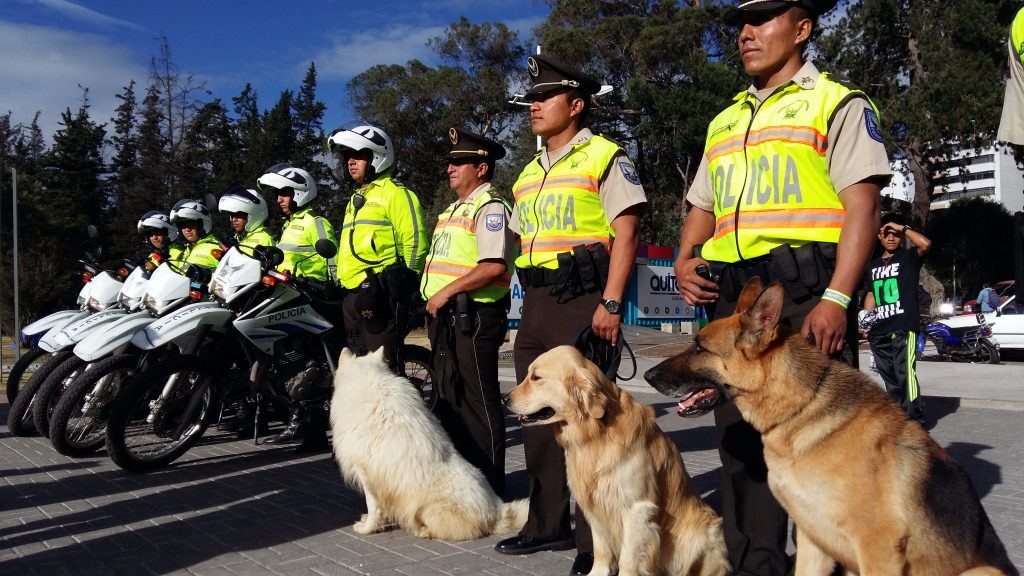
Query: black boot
[(298, 426), (245, 419), (316, 432)]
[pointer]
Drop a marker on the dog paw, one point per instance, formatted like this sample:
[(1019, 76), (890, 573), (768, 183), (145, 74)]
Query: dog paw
[(424, 532), (364, 527)]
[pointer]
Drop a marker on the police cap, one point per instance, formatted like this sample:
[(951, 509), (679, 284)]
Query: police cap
[(549, 75), (466, 144), (734, 16)]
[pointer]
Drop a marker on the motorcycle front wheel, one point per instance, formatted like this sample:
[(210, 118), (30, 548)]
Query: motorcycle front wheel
[(148, 429), (19, 418), (987, 352), (75, 433), (52, 389), (18, 371), (415, 364)]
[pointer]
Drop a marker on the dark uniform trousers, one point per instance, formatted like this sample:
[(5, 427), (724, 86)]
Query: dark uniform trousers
[(361, 341), (469, 406), (754, 523), (548, 323)]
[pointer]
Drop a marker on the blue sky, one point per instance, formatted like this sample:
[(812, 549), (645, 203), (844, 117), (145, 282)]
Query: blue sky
[(50, 47)]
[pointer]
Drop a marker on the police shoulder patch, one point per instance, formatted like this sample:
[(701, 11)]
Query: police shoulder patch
[(629, 172), (494, 222), (871, 124)]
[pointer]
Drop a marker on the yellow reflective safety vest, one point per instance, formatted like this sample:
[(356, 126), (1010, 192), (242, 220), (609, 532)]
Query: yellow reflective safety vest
[(561, 208), (768, 170), (200, 253), (257, 237), (454, 251), (388, 226), (298, 238)]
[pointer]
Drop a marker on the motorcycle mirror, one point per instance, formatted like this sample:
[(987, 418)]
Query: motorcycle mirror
[(93, 232), (273, 255), (211, 202), (325, 248), (198, 274)]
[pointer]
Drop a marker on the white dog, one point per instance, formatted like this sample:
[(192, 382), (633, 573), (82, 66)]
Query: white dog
[(391, 447)]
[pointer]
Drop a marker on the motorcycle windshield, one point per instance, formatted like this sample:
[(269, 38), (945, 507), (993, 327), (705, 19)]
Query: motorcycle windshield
[(134, 288), (105, 289), (236, 274), (165, 289)]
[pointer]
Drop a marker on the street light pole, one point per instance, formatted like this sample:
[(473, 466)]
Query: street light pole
[(14, 230)]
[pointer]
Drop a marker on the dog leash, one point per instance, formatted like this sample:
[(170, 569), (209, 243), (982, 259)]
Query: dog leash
[(603, 354)]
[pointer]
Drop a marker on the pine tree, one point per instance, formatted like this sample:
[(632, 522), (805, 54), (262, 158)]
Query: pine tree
[(278, 132), (307, 121), (126, 197), (249, 133)]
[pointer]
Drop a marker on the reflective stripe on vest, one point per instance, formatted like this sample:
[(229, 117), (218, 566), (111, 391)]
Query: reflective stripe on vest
[(298, 240), (562, 208), (258, 237), (768, 171), (201, 253), (375, 237), (454, 251)]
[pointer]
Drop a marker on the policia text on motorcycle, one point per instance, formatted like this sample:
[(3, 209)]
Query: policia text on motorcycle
[(577, 211), (382, 244), (466, 286)]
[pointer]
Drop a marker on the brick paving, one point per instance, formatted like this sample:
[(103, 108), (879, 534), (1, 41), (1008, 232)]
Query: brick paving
[(229, 507)]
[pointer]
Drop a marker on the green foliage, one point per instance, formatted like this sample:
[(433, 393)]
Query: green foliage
[(972, 242)]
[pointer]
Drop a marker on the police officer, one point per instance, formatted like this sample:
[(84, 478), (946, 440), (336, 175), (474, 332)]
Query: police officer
[(1011, 125), (160, 235), (466, 286), (382, 244), (247, 212), (197, 243), (788, 190), (577, 210), (295, 190)]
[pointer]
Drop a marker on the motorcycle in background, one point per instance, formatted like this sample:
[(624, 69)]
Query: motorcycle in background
[(971, 343)]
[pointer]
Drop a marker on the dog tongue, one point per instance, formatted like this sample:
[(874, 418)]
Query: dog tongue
[(689, 401)]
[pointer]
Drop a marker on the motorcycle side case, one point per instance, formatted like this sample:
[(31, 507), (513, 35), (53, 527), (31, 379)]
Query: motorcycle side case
[(76, 331), (100, 343), (61, 319), (178, 326)]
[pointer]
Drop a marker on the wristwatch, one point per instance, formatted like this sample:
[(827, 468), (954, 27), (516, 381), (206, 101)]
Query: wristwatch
[(612, 306)]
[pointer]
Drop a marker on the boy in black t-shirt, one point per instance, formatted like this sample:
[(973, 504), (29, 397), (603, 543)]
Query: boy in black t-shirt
[(892, 292)]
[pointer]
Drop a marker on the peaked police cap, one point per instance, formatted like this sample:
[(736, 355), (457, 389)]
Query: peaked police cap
[(466, 144), (549, 75), (734, 15)]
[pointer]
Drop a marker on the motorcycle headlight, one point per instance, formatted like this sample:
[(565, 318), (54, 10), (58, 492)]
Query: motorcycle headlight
[(153, 305), (95, 305)]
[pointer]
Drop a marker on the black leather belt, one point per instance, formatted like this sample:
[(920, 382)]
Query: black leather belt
[(537, 277)]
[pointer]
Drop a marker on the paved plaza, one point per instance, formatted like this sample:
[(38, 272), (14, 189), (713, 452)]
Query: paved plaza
[(229, 507)]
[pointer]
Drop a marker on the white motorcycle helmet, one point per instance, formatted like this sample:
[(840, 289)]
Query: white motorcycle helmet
[(240, 199), (364, 138), (192, 210), (154, 220), (285, 175)]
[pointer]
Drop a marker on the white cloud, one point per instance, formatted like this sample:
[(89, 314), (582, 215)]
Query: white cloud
[(83, 14), (354, 53), (42, 69)]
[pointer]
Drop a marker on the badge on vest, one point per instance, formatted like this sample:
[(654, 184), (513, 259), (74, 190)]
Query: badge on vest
[(494, 222), (871, 123), (629, 173)]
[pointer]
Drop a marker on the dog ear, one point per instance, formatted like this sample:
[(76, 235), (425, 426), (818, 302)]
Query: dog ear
[(345, 356), (378, 354), (588, 390), (751, 290), (761, 318)]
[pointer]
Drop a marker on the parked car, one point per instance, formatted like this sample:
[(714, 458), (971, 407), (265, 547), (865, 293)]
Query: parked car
[(1007, 324), (1005, 289)]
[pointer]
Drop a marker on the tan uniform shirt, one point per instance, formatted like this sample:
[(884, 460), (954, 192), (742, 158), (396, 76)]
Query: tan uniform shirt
[(492, 242), (852, 154), (1011, 124), (620, 187)]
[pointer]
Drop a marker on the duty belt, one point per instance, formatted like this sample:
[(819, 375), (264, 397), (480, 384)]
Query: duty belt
[(537, 277)]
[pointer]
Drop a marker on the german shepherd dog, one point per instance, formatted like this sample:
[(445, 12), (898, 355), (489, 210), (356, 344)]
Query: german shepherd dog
[(865, 486)]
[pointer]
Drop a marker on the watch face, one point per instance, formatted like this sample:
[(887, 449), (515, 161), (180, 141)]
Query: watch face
[(612, 306)]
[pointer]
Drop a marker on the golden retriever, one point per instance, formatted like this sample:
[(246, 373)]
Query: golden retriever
[(626, 474), (391, 447)]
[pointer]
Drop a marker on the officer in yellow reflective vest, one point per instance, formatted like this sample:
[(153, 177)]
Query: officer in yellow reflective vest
[(160, 236), (197, 244), (1011, 125), (295, 191), (578, 204), (466, 286), (247, 212), (787, 190), (382, 244)]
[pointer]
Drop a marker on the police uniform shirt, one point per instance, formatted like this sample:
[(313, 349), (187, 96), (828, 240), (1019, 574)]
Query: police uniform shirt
[(494, 240), (620, 187), (855, 150), (1011, 124)]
